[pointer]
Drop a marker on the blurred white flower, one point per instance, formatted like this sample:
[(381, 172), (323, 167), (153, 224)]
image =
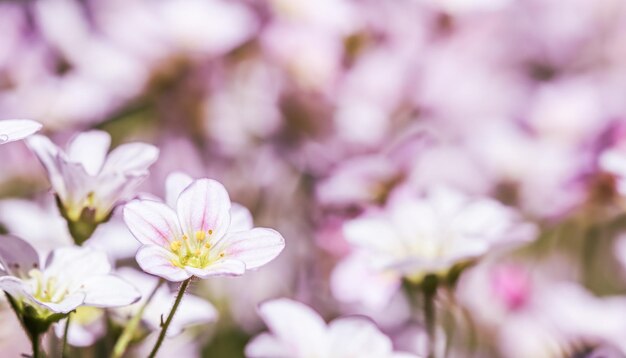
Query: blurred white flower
[(87, 181), (16, 129), (298, 332), (196, 239), (71, 277)]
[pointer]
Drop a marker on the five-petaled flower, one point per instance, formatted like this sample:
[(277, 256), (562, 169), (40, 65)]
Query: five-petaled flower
[(299, 332), (71, 277), (87, 181), (197, 239), (16, 129)]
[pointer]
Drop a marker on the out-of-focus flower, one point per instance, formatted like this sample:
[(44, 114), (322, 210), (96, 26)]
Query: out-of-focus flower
[(195, 311), (613, 161), (87, 181), (298, 331), (196, 240), (433, 233), (16, 129), (86, 326), (71, 277)]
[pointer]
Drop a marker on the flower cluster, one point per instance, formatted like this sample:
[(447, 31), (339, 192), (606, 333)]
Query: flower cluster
[(329, 178)]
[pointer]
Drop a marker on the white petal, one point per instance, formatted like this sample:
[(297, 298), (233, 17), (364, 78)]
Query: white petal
[(158, 261), (152, 222), (20, 290), (202, 206), (358, 337), (47, 152), (131, 157), (373, 233), (17, 256), (240, 218), (76, 264), (223, 267), (16, 129), (175, 183), (254, 247), (109, 291), (267, 346), (89, 149), (192, 311), (296, 325)]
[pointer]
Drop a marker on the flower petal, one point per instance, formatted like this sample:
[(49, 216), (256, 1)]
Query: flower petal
[(16, 129), (47, 152), (223, 267), (17, 256), (131, 157), (89, 149), (267, 346), (156, 260), (204, 205), (240, 218), (76, 264), (297, 326), (152, 222), (254, 247), (22, 291), (109, 291), (358, 337), (175, 183), (193, 311)]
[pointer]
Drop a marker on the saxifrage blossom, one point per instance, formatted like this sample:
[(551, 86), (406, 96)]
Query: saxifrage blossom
[(196, 238), (70, 277), (16, 129)]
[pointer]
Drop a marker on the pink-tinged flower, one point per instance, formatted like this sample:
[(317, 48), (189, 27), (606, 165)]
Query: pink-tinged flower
[(87, 181), (298, 332), (197, 238), (16, 129), (71, 277), (415, 236), (614, 161)]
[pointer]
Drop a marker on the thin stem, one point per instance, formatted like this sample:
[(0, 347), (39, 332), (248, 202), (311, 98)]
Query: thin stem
[(430, 320), (131, 326), (179, 297), (35, 341), (65, 333)]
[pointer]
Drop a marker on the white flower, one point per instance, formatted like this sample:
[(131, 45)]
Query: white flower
[(299, 332), (85, 178), (433, 233), (16, 129), (197, 239), (71, 277)]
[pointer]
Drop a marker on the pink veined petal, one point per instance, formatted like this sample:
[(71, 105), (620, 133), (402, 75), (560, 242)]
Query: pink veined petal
[(267, 346), (223, 267), (131, 158), (175, 183), (47, 152), (89, 149), (152, 222), (16, 129), (254, 247), (240, 218), (358, 337), (157, 261), (297, 326), (17, 256), (76, 181), (204, 205), (109, 291)]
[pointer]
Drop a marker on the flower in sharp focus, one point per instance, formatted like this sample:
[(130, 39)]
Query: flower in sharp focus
[(87, 181), (71, 277), (196, 239), (434, 233), (299, 332), (16, 129)]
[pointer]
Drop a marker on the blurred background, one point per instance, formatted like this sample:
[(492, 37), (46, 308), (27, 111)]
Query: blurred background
[(310, 112)]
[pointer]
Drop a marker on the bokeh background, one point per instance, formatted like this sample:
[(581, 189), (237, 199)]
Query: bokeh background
[(310, 112)]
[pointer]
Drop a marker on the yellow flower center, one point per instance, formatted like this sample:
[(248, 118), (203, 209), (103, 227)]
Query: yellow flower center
[(47, 289), (196, 251)]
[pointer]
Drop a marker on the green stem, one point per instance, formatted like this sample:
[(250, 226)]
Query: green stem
[(429, 290), (131, 326), (179, 297), (65, 333), (35, 340)]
